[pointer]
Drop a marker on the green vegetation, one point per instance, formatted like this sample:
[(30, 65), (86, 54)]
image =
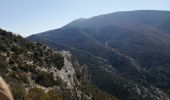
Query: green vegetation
[(18, 90), (54, 95), (19, 76), (44, 79), (95, 92), (3, 67), (26, 66), (39, 94), (58, 60), (3, 47), (17, 50)]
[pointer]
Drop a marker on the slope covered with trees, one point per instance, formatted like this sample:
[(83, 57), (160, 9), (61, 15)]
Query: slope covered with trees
[(36, 72)]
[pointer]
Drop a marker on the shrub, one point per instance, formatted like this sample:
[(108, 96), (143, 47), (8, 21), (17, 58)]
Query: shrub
[(17, 91), (14, 48), (36, 54), (44, 79), (54, 95), (11, 61), (37, 94), (27, 68), (58, 60), (3, 33), (3, 67), (19, 76), (3, 48)]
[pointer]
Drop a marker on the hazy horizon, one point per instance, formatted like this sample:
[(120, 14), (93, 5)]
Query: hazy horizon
[(30, 17)]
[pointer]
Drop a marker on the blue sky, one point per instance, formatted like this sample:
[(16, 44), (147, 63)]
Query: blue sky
[(26, 17)]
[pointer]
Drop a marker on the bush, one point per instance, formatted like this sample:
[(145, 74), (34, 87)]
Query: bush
[(11, 61), (19, 76), (3, 33), (37, 94), (58, 60), (3, 48), (27, 68), (36, 54), (44, 78), (14, 48), (54, 95), (17, 91), (3, 67)]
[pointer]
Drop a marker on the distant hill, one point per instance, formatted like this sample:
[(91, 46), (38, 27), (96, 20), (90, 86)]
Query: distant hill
[(127, 53)]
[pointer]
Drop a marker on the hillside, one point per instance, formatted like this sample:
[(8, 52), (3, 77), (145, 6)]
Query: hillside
[(35, 72), (127, 53)]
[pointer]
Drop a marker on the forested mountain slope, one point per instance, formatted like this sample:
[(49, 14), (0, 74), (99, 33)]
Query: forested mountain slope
[(127, 53)]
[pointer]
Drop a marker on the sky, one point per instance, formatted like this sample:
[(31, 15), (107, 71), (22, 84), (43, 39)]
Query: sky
[(26, 17)]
